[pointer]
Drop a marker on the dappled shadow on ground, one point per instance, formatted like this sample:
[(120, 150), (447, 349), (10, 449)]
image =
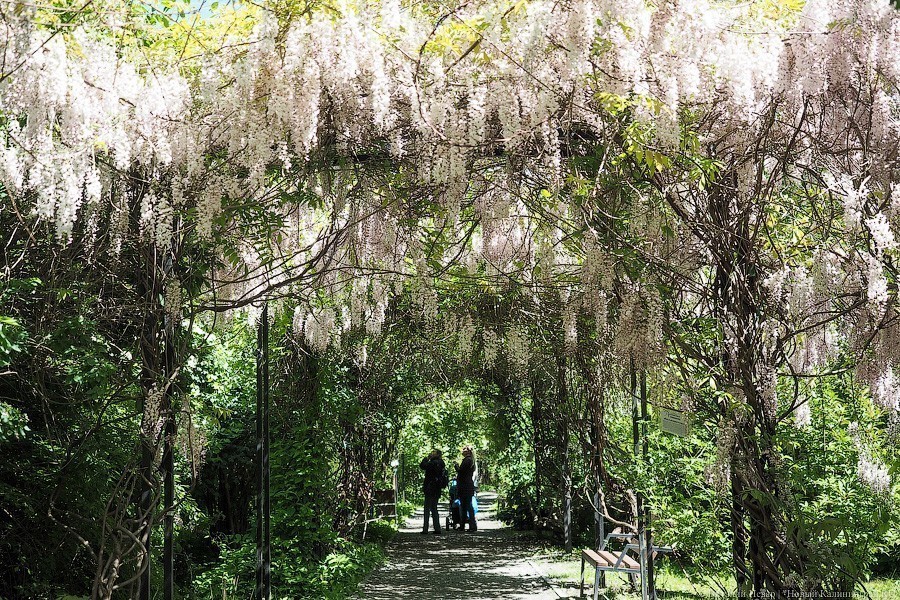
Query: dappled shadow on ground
[(489, 564)]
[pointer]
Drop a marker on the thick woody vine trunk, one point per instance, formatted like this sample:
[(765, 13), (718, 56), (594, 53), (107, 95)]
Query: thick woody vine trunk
[(722, 289), (125, 546), (157, 364), (125, 551), (599, 483), (738, 535), (762, 558)]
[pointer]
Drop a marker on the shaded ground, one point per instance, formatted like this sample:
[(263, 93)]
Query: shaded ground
[(495, 562), (498, 562)]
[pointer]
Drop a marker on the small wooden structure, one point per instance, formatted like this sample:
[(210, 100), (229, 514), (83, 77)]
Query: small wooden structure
[(383, 506)]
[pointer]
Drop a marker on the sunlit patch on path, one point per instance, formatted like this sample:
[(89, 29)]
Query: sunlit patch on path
[(490, 564)]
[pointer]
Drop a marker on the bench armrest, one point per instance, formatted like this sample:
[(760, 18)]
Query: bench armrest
[(653, 549), (615, 536)]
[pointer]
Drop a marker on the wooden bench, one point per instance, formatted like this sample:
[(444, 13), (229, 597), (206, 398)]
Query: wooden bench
[(383, 506), (604, 560)]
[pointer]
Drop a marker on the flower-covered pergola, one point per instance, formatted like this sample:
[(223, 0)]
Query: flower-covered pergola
[(656, 166)]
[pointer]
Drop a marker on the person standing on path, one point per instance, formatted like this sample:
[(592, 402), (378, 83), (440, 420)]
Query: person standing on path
[(465, 487), (435, 481)]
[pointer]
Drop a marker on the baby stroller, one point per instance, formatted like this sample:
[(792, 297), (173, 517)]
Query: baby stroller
[(453, 514), (453, 517)]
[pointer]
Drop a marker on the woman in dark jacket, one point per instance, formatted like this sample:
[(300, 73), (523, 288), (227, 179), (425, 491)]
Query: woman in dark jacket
[(435, 480), (465, 487)]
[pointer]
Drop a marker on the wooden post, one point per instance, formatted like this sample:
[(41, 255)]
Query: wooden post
[(263, 505)]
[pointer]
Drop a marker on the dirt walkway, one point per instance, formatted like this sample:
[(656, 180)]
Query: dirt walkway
[(495, 562)]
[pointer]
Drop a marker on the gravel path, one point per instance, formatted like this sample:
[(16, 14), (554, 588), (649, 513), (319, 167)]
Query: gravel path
[(494, 562)]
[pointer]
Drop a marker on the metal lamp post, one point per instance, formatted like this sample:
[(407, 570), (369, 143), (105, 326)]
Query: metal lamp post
[(394, 465)]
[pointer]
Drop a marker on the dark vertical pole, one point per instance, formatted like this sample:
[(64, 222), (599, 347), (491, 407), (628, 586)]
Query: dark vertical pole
[(563, 403), (636, 426), (168, 465), (648, 530), (258, 592), (599, 531), (567, 491), (263, 506), (567, 518), (267, 504)]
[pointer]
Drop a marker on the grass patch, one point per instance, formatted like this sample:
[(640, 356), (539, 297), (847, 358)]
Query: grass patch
[(564, 572)]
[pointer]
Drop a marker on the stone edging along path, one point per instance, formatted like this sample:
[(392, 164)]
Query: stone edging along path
[(490, 564)]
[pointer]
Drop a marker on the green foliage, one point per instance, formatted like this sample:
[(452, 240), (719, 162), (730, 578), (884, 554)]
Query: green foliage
[(316, 552), (517, 478), (515, 470), (310, 559), (13, 423), (293, 575), (689, 514), (840, 518), (55, 479), (447, 420), (12, 337)]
